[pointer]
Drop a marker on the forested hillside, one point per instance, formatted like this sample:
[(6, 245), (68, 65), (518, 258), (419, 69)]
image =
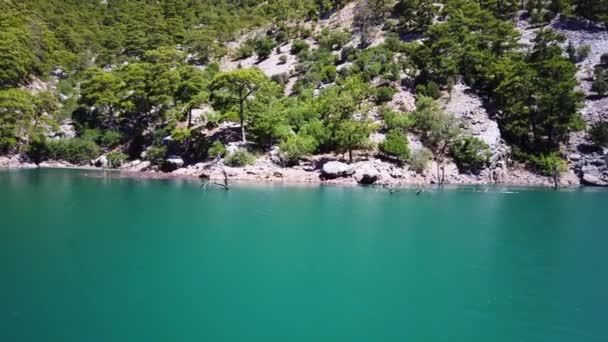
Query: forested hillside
[(406, 88)]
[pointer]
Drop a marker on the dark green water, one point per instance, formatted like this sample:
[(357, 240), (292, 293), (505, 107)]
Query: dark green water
[(90, 259)]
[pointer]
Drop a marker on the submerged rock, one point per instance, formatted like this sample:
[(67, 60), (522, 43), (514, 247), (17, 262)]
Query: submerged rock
[(336, 169)]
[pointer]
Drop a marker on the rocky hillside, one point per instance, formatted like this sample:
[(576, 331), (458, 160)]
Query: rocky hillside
[(360, 92)]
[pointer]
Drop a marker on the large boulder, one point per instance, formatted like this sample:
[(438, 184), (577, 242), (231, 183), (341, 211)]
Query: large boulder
[(172, 163), (102, 161), (136, 165), (367, 174), (336, 169), (590, 179)]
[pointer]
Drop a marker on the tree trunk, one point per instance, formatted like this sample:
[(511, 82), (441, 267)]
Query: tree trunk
[(189, 117), (242, 117), (350, 155)]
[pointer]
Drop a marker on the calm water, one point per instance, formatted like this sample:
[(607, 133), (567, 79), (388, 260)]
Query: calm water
[(93, 259)]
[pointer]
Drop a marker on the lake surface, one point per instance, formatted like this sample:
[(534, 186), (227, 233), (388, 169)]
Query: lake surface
[(103, 259)]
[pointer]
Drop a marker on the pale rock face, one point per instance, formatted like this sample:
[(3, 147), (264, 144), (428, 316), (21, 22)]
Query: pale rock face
[(100, 162), (336, 169), (366, 173)]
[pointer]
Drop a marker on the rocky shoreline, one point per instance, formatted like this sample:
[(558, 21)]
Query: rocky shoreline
[(318, 170)]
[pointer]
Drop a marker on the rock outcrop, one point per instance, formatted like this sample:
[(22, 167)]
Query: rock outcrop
[(336, 169)]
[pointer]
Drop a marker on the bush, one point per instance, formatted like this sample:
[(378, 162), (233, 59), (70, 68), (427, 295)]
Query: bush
[(281, 78), (263, 47), (599, 86), (604, 59), (282, 59), (75, 150), (396, 120), (420, 158), (549, 164), (91, 134), (396, 145), (599, 133), (298, 46), (181, 134), (110, 139), (244, 51), (431, 89), (116, 159), (217, 149), (328, 73), (156, 154), (471, 154), (384, 94), (297, 146), (239, 158)]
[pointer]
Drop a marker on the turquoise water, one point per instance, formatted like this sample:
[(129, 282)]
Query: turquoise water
[(100, 259)]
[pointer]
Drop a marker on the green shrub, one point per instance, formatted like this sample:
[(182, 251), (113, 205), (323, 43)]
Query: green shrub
[(37, 149), (298, 46), (116, 159), (110, 139), (549, 164), (156, 154), (431, 89), (599, 133), (239, 158), (246, 50), (181, 134), (604, 59), (396, 145), (471, 154), (263, 47), (328, 73), (91, 134), (394, 120), (281, 78), (282, 59), (384, 94), (297, 146), (599, 86), (75, 150), (419, 159), (217, 149)]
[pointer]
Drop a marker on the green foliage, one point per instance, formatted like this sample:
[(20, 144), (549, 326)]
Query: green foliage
[(110, 139), (16, 112), (351, 134), (431, 89), (599, 133), (384, 94), (236, 87), (299, 46), (394, 120), (76, 151), (156, 154), (550, 164), (471, 154), (420, 159), (604, 59), (396, 145), (264, 46), (282, 59), (599, 86), (438, 130), (297, 146), (239, 158), (181, 134), (538, 97), (217, 149), (116, 159)]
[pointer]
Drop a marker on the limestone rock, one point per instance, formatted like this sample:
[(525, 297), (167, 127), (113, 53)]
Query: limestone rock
[(367, 174), (336, 169), (590, 179)]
